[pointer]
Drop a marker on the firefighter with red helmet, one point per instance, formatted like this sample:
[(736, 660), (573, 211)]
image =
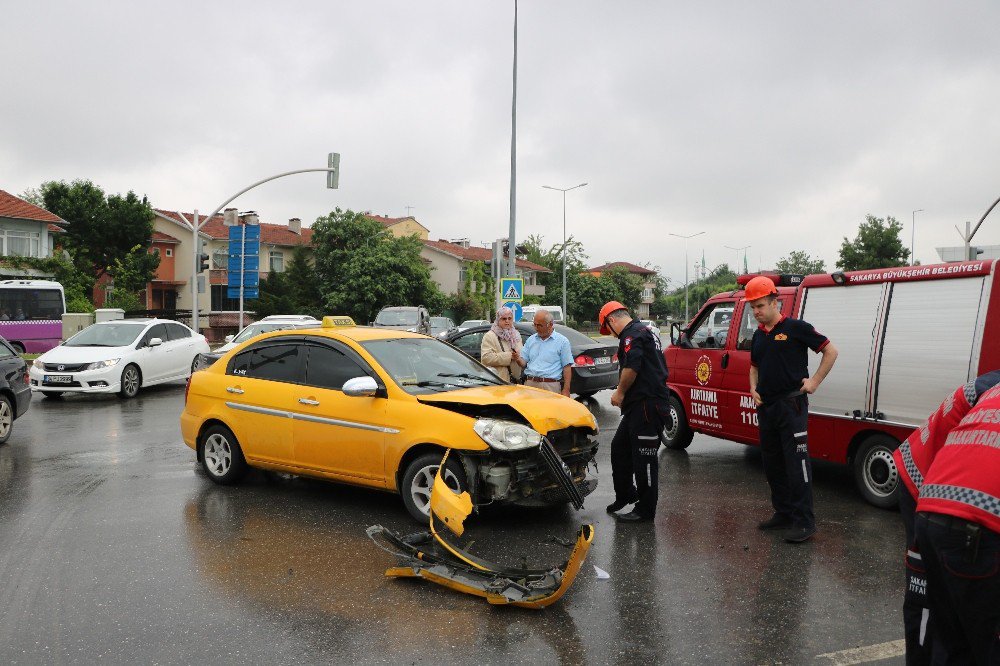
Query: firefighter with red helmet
[(779, 385), (953, 464), (642, 395)]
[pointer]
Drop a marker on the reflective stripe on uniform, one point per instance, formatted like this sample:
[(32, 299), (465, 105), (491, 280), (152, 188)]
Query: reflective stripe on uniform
[(970, 392), (801, 434), (647, 436), (974, 498), (910, 466), (805, 472)]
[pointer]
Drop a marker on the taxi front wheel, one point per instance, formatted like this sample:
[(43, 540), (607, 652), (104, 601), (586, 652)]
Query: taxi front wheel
[(221, 456), (419, 479)]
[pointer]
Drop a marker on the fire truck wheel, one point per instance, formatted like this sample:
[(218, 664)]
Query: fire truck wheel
[(875, 471), (678, 436)]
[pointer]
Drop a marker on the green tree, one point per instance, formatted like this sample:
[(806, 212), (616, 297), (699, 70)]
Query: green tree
[(102, 228), (129, 275), (877, 245), (799, 262), (587, 293), (307, 298), (276, 296), (361, 267), (627, 285)]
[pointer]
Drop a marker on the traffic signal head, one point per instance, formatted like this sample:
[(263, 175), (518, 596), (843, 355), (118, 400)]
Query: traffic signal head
[(974, 252), (202, 262)]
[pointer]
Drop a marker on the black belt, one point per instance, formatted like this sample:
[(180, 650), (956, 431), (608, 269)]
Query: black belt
[(792, 394), (949, 522), (541, 379)]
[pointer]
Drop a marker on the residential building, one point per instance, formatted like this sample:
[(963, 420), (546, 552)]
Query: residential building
[(449, 263), (402, 226), (647, 275), (26, 231)]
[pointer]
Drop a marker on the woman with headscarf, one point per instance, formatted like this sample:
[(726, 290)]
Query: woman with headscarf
[(501, 350)]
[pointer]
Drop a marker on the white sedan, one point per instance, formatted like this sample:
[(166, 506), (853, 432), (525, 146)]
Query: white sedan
[(118, 357)]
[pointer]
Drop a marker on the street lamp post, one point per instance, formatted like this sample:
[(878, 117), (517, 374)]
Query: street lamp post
[(913, 233), (197, 224), (512, 258), (738, 250), (687, 316), (564, 191)]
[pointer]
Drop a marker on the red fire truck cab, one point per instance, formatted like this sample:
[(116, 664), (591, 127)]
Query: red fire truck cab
[(906, 338)]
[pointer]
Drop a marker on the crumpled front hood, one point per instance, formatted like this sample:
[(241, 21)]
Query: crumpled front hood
[(545, 411), (70, 355)]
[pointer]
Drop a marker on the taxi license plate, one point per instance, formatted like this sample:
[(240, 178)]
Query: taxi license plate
[(58, 379), (602, 360)]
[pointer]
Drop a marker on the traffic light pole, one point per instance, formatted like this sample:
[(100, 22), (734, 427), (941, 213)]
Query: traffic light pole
[(197, 224)]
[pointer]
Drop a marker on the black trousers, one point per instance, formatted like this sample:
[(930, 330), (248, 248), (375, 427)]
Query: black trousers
[(784, 448), (963, 587), (635, 469), (917, 622)]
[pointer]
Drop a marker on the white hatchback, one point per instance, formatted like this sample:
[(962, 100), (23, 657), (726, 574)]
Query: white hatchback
[(118, 357)]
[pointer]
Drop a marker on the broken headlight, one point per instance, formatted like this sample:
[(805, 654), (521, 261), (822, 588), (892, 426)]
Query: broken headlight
[(507, 435)]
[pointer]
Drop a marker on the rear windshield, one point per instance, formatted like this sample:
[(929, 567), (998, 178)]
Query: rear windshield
[(396, 318)]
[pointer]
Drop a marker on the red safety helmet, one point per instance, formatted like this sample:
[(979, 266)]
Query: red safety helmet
[(608, 308), (759, 287)]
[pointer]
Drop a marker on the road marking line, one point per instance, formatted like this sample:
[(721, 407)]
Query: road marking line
[(866, 654)]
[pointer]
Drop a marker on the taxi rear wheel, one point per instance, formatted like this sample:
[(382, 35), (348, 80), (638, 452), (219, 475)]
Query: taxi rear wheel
[(418, 480), (221, 456)]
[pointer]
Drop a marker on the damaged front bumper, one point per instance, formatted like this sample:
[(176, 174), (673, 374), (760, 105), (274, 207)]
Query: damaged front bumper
[(435, 556)]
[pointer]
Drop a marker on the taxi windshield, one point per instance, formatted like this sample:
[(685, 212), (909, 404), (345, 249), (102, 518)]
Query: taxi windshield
[(425, 365), (397, 318)]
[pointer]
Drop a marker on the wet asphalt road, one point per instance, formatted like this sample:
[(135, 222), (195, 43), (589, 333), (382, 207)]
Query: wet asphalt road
[(115, 548)]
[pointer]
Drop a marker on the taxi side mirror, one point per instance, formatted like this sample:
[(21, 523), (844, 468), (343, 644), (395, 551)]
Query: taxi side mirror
[(229, 338), (361, 387)]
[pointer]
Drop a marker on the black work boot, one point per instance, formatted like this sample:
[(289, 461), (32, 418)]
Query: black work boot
[(799, 534), (775, 522), (618, 504)]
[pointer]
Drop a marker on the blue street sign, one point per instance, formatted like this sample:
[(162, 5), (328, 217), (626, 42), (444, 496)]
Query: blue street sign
[(250, 279), (252, 232), (250, 263), (516, 307), (512, 289), (236, 247), (248, 292)]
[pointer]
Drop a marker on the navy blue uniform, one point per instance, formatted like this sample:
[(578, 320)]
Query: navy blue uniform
[(645, 411), (781, 358)]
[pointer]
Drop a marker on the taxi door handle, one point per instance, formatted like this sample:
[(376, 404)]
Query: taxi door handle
[(234, 389), (307, 401)]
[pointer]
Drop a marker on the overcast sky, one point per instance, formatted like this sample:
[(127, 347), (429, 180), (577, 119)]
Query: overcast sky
[(778, 125)]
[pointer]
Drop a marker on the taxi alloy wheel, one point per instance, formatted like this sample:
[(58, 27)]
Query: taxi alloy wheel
[(419, 480), (222, 457), (6, 419)]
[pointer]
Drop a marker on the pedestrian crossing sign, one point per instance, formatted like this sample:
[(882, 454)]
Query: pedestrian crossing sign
[(512, 289)]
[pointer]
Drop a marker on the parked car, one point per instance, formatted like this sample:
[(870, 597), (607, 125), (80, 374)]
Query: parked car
[(442, 326), (379, 408), (414, 319), (15, 392), (651, 325), (529, 311), (470, 323), (118, 356), (595, 364), (265, 325)]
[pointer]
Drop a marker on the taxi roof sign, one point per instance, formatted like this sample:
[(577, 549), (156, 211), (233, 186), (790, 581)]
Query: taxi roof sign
[(337, 322)]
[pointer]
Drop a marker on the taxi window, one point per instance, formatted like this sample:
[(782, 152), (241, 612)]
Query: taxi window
[(330, 368), (279, 363)]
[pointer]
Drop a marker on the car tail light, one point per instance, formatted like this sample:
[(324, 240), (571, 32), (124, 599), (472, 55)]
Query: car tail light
[(187, 387), (27, 378), (583, 359), (614, 357)]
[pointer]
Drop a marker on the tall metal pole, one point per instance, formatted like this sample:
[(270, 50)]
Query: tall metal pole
[(196, 226), (913, 232), (243, 258), (738, 250), (511, 234), (687, 314), (564, 190)]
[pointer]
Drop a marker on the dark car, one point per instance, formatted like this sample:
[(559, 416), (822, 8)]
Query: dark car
[(15, 391), (595, 364)]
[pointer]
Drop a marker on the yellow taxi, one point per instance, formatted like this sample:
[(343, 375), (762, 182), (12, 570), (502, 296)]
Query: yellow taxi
[(378, 408)]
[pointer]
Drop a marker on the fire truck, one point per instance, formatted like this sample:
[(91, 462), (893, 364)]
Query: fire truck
[(906, 338)]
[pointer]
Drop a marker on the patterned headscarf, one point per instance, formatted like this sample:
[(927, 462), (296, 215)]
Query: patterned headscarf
[(511, 334)]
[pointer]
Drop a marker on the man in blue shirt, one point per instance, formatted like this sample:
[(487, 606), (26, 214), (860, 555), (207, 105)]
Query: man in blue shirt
[(549, 361)]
